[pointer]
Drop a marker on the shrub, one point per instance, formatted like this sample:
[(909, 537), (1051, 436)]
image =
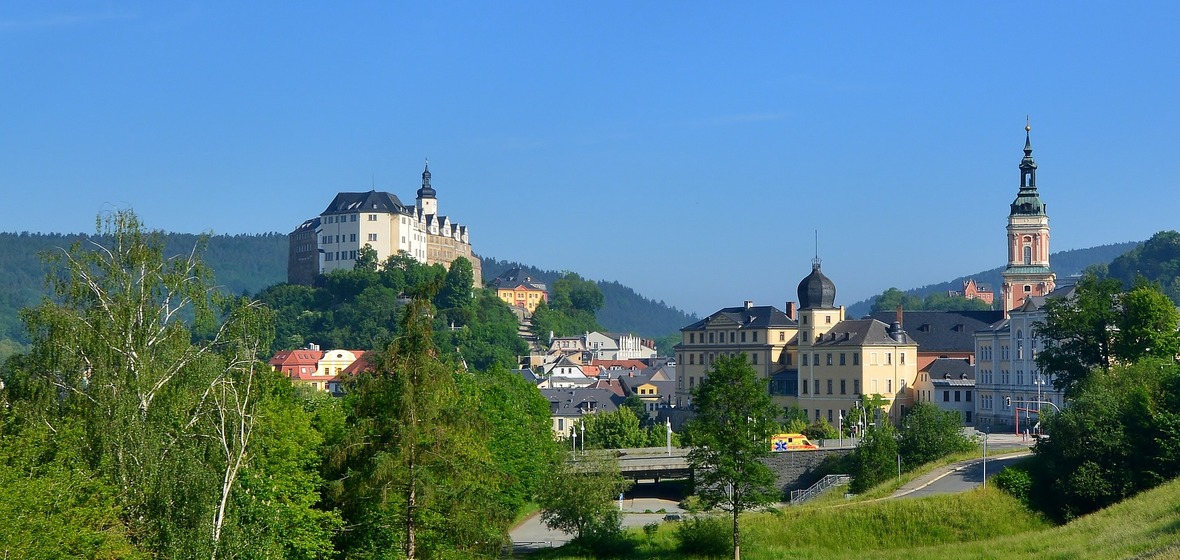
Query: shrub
[(705, 536), (1015, 481)]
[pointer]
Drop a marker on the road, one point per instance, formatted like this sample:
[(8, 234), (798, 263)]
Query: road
[(531, 534), (956, 478)]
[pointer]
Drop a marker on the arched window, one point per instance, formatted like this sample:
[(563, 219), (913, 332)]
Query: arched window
[(1027, 254)]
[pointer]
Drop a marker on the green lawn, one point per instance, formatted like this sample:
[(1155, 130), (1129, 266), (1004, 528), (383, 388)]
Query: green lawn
[(983, 523)]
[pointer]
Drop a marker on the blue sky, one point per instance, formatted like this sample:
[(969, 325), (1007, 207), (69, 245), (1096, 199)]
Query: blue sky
[(689, 149)]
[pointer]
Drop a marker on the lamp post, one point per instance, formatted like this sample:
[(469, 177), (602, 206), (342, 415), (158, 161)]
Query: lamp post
[(986, 432), (583, 425), (668, 423)]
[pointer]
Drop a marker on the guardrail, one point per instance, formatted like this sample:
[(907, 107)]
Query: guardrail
[(800, 496)]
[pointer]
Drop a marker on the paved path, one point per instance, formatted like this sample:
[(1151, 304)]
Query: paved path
[(532, 534), (958, 477)]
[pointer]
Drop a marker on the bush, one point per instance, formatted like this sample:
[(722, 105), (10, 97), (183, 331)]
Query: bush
[(1015, 481), (705, 536)]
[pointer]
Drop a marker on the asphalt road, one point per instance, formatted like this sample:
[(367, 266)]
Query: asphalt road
[(960, 477)]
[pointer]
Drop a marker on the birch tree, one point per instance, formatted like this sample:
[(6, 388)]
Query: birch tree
[(168, 414)]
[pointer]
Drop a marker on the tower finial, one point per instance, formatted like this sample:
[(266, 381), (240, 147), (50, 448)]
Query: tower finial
[(815, 261), (1027, 126)]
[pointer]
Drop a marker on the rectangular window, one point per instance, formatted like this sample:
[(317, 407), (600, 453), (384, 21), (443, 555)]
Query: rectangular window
[(957, 396), (815, 386), (710, 358), (755, 336), (829, 416), (352, 255), (889, 386), (872, 358), (692, 382), (755, 358), (731, 337), (743, 336), (946, 396), (782, 336), (902, 358), (372, 217), (372, 237), (804, 359), (843, 386), (829, 359), (352, 238), (815, 358), (889, 358), (710, 338), (842, 358), (856, 358), (692, 338), (817, 414), (856, 386), (804, 387), (829, 386), (968, 396), (352, 218)]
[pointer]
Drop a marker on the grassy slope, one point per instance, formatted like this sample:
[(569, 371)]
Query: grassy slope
[(984, 523)]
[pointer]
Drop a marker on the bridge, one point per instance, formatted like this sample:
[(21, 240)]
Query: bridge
[(657, 463)]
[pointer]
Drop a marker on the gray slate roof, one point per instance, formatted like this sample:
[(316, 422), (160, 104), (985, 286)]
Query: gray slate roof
[(372, 201), (861, 332), (943, 331), (753, 317), (575, 402), (952, 369)]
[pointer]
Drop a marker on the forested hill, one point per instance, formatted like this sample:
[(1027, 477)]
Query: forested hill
[(1065, 264), (623, 309), (250, 263), (241, 263)]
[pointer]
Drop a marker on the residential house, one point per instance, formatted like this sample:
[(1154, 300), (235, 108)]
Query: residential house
[(949, 384)]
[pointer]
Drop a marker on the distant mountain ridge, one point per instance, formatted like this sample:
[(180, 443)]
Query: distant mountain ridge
[(1064, 263)]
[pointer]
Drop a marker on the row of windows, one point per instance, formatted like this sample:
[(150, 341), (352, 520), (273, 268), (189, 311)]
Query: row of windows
[(733, 337), (350, 238), (340, 255), (692, 358), (815, 386), (345, 218)]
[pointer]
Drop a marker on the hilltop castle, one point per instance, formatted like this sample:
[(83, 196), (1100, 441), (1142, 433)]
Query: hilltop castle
[(353, 220)]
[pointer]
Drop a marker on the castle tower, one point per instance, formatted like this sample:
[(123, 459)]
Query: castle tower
[(427, 203), (817, 306), (1027, 273)]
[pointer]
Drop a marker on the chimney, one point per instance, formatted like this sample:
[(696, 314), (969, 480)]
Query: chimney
[(791, 310), (749, 303), (899, 314)]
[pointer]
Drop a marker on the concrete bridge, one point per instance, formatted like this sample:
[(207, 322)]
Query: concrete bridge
[(793, 469)]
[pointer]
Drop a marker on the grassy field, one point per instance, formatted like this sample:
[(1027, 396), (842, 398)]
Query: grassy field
[(984, 523)]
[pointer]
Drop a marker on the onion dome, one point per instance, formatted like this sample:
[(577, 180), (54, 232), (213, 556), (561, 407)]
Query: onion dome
[(817, 290)]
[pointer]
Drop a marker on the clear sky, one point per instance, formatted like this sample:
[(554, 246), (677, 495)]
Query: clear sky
[(689, 150)]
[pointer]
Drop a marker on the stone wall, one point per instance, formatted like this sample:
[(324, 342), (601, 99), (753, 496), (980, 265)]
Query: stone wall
[(795, 470)]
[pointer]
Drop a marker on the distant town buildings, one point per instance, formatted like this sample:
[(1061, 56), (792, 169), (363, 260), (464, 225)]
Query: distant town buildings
[(322, 371), (981, 364), (354, 220)]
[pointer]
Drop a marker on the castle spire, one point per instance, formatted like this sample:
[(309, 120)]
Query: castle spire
[(426, 191)]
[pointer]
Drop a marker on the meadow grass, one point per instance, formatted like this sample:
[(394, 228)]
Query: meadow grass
[(983, 523)]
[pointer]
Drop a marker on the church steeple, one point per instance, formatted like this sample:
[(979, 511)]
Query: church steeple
[(1028, 273)]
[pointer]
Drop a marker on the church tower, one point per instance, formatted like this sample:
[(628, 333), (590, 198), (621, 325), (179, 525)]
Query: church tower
[(1027, 273), (427, 203)]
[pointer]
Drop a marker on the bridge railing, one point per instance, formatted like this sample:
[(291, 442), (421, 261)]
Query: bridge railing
[(800, 496)]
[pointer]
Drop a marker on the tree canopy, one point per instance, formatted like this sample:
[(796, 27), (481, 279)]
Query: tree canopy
[(730, 432)]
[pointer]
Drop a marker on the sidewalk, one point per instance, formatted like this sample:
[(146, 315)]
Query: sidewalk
[(920, 482)]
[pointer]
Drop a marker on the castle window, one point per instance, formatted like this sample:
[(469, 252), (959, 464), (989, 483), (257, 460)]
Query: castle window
[(842, 358), (352, 218), (755, 357), (803, 357), (1027, 254), (372, 217), (828, 319), (372, 237), (856, 358), (755, 336), (692, 338), (743, 336), (1027, 288), (782, 336), (829, 359)]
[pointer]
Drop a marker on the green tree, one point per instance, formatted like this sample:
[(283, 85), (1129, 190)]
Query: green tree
[(579, 497), (413, 472), (893, 297), (734, 419), (617, 429), (820, 429), (875, 459), (168, 415), (929, 433), (1147, 325), (366, 259), (456, 293), (1079, 331)]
